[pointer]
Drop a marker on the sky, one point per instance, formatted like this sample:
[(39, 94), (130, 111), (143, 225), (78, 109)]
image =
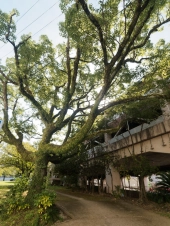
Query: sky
[(36, 17), (42, 17)]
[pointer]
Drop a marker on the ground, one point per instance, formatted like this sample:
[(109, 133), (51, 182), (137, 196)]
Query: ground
[(84, 209), (79, 209)]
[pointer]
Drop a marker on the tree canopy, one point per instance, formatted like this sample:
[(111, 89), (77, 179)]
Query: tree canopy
[(12, 160), (56, 94)]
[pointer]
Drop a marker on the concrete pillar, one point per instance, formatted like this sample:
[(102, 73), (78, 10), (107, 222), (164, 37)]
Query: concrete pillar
[(112, 179), (107, 137), (166, 111)]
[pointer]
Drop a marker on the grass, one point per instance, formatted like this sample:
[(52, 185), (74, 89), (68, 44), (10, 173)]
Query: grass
[(6, 184), (29, 218), (4, 188), (79, 193)]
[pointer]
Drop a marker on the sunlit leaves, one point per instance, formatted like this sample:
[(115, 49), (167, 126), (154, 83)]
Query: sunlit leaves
[(4, 21), (11, 159), (108, 56)]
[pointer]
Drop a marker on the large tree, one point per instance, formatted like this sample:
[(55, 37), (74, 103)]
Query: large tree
[(57, 94)]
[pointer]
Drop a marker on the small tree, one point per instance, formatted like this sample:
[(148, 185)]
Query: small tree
[(164, 181), (139, 166)]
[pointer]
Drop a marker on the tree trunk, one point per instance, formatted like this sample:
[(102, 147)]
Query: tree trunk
[(85, 183), (92, 184), (99, 185), (123, 188), (89, 185), (142, 193), (111, 176), (38, 180), (130, 193)]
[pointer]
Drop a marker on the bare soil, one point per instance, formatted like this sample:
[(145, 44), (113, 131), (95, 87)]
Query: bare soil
[(163, 209)]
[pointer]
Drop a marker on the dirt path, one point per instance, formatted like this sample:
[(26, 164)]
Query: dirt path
[(84, 212)]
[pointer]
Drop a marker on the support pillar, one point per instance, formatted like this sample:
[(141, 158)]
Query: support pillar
[(112, 179)]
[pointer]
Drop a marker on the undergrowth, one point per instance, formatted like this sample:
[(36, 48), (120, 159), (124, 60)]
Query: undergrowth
[(16, 211)]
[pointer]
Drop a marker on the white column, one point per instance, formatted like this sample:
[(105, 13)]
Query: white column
[(112, 180)]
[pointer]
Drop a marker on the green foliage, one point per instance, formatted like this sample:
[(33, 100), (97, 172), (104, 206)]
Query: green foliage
[(164, 181), (44, 201), (65, 89), (134, 165), (43, 211), (12, 163), (118, 193), (158, 196), (30, 217), (15, 197), (20, 185), (4, 21), (4, 188), (46, 208)]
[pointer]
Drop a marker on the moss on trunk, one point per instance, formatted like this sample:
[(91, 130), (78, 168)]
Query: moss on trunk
[(39, 177)]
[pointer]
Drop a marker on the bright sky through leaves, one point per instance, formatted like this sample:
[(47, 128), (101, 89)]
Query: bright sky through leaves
[(42, 17)]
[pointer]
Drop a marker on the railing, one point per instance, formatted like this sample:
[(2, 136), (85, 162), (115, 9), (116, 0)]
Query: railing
[(137, 129)]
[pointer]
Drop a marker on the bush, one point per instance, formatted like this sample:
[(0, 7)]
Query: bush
[(164, 181), (15, 200), (158, 197), (43, 210), (20, 186), (45, 204)]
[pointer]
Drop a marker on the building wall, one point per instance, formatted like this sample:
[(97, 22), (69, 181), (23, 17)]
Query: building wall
[(152, 138)]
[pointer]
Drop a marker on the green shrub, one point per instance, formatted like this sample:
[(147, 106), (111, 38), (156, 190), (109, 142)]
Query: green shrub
[(20, 186), (45, 204), (163, 184), (43, 210), (158, 197), (15, 200)]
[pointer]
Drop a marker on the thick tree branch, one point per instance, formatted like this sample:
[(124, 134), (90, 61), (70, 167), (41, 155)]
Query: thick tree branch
[(95, 22), (131, 99), (130, 43), (74, 77), (131, 60), (25, 90), (82, 96), (10, 137), (68, 65), (7, 77), (154, 29), (137, 13)]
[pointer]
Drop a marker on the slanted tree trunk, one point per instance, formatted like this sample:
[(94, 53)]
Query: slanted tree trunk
[(38, 180), (89, 185), (123, 188), (99, 185), (142, 193), (130, 193), (92, 184), (3, 177), (85, 183)]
